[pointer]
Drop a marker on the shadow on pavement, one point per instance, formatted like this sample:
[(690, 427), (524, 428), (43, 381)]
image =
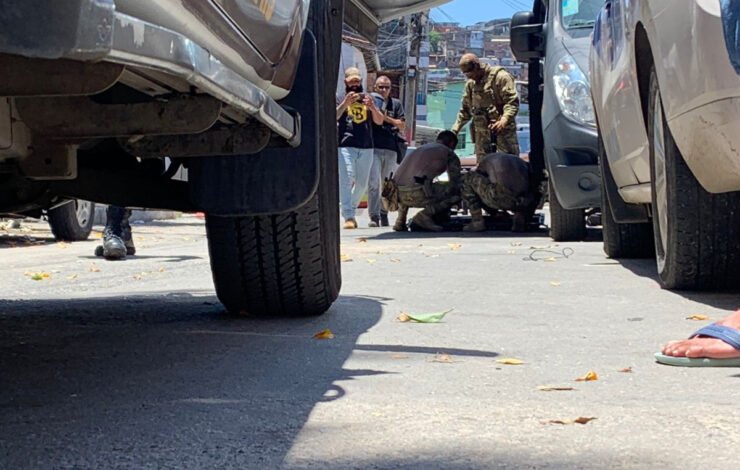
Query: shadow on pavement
[(165, 381)]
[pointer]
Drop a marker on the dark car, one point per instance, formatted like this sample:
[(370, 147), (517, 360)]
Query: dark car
[(96, 93)]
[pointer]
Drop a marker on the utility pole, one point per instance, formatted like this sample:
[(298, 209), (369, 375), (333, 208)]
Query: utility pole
[(416, 31)]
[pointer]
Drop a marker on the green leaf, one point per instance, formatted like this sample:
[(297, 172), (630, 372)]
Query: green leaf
[(428, 317)]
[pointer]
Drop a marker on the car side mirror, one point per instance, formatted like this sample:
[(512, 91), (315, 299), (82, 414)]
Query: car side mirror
[(527, 37)]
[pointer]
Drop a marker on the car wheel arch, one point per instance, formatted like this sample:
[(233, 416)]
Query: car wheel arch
[(644, 62)]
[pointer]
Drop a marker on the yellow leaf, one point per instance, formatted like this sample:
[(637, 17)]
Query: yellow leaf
[(444, 358), (555, 284), (554, 388), (404, 317), (589, 377), (698, 317), (325, 334), (346, 258), (510, 361), (626, 370), (454, 246)]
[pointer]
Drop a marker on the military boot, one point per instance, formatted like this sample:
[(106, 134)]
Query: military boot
[(477, 223), (117, 239), (425, 222), (519, 222)]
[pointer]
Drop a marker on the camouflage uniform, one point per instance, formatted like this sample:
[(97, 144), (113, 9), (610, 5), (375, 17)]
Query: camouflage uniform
[(480, 193), (435, 198), (485, 102)]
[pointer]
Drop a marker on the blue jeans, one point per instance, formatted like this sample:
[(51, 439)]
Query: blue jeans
[(384, 163), (354, 173)]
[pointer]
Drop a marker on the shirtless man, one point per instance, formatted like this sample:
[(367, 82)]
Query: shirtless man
[(416, 188)]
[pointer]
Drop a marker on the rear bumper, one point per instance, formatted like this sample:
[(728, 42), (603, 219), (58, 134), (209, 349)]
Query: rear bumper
[(571, 152), (92, 30)]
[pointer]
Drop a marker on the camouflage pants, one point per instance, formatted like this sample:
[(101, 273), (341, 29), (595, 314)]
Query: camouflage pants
[(506, 142), (479, 192), (435, 199)]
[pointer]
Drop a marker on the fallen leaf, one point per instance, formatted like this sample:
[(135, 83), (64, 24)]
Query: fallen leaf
[(626, 370), (589, 377), (510, 361), (40, 276), (62, 245), (444, 358), (325, 334), (555, 284), (161, 270), (454, 246), (555, 388), (346, 258), (698, 317), (423, 317), (94, 268), (72, 277), (371, 261), (581, 420), (362, 240), (395, 260)]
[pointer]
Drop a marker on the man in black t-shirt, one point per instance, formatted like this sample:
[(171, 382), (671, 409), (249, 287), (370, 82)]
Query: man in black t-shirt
[(386, 138), (356, 113)]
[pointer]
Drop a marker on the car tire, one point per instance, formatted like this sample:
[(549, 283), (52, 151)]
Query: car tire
[(565, 224), (630, 240), (72, 222), (287, 264), (697, 234)]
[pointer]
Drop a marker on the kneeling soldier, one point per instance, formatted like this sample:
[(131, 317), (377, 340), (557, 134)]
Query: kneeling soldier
[(414, 181), (501, 182)]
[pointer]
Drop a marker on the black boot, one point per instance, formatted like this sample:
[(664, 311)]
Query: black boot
[(117, 239), (384, 220)]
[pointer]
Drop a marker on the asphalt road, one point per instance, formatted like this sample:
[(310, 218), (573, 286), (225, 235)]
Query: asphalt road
[(134, 364)]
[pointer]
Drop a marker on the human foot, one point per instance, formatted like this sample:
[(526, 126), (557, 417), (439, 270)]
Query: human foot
[(705, 347)]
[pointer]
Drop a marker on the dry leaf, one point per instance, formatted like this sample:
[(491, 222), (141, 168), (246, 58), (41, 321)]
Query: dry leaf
[(555, 388), (626, 370), (94, 268), (62, 244), (346, 258), (454, 246), (581, 420), (698, 317), (362, 240), (161, 270), (444, 358), (403, 317), (72, 277), (589, 377), (510, 361), (555, 284), (325, 334), (395, 260)]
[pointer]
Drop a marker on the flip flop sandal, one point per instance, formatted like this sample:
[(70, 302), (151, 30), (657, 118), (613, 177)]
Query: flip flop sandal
[(729, 335)]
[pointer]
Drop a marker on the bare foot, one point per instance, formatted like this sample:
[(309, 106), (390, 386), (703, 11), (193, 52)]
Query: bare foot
[(706, 347)]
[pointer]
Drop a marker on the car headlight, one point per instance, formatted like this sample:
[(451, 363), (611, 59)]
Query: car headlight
[(574, 92)]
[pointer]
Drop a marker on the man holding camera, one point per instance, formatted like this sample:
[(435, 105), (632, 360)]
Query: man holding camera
[(356, 113)]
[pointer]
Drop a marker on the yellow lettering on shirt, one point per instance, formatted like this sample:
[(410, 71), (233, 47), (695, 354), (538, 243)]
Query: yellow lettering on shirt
[(358, 113)]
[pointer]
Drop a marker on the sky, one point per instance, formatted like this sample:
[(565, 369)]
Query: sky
[(468, 12)]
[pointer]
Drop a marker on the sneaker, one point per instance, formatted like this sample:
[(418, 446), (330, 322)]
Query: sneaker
[(424, 222), (384, 220), (475, 226), (350, 224), (374, 222)]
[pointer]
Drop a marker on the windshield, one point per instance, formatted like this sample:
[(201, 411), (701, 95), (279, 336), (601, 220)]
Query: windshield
[(579, 14)]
